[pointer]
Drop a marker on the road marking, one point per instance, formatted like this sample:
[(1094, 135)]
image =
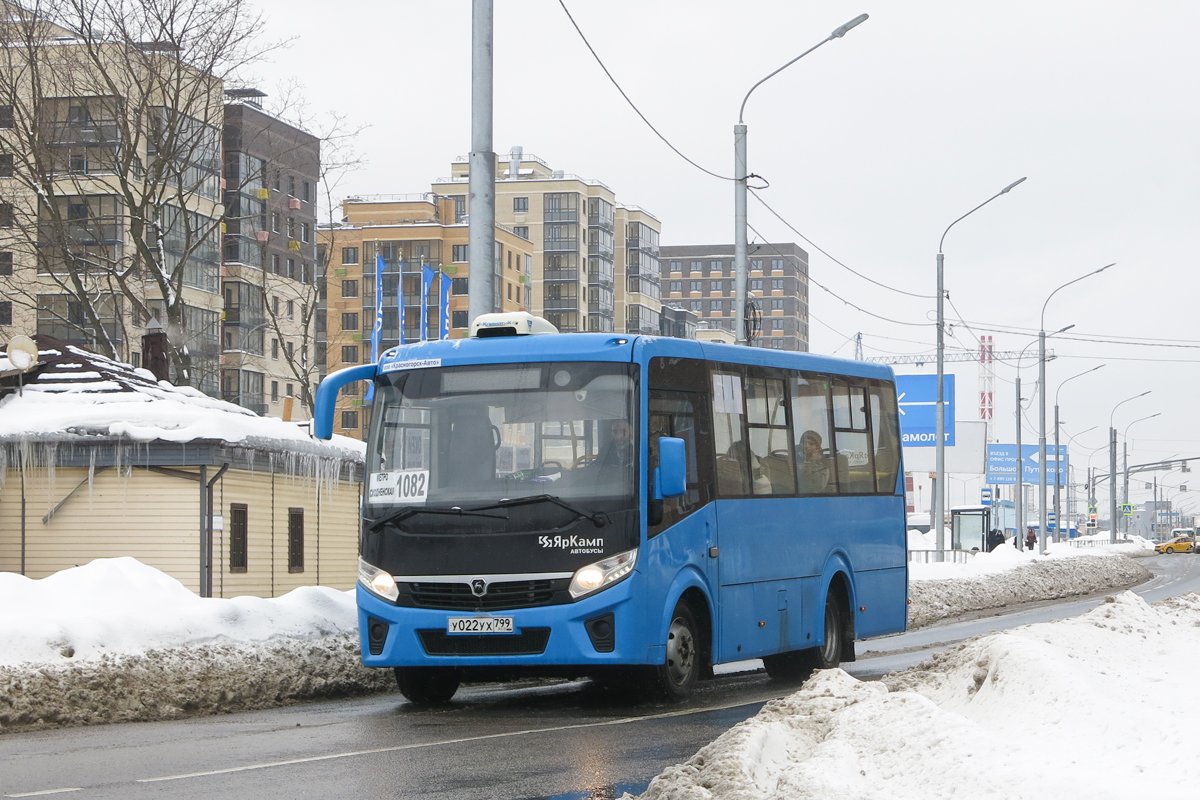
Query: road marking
[(45, 791), (420, 745)]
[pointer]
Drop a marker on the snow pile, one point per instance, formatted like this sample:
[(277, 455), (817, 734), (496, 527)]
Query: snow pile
[(1008, 578), (1075, 708), (1007, 557), (117, 640)]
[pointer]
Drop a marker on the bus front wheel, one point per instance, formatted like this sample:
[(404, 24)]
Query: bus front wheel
[(681, 667), (427, 685)]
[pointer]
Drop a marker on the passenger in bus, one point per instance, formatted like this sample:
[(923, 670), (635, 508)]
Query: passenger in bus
[(814, 467), (616, 455), (471, 456)]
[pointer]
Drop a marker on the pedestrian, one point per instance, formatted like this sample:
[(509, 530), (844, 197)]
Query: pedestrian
[(995, 539), (1031, 539)]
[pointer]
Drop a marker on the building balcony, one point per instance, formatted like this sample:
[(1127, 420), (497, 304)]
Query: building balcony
[(560, 246)]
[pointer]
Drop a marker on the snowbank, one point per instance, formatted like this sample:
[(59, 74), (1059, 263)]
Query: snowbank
[(1075, 708)]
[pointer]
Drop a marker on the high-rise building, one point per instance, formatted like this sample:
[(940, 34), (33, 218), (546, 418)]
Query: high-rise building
[(270, 270), (701, 279), (595, 261), (409, 233)]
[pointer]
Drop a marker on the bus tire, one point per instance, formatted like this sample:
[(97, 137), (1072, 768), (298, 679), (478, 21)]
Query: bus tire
[(829, 654), (790, 667), (427, 686), (676, 676)]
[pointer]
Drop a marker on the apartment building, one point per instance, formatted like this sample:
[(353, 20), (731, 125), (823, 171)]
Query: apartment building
[(595, 261), (270, 269), (701, 279), (110, 195), (409, 233)]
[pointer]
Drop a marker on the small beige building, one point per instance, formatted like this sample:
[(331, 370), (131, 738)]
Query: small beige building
[(98, 460)]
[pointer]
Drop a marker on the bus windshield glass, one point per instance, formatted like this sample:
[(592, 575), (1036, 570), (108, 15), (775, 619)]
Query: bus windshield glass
[(467, 437)]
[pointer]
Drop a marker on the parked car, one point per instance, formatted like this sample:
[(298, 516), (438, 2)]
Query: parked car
[(1180, 544)]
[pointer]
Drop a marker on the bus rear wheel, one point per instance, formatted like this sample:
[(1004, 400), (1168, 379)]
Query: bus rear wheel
[(798, 665), (676, 676), (427, 685)]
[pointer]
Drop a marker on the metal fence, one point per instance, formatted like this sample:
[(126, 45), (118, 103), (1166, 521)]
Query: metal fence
[(948, 556)]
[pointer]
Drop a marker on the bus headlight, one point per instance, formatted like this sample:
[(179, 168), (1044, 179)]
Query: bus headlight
[(377, 581), (596, 576)]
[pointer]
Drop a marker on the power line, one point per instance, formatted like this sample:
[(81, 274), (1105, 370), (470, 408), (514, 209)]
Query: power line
[(825, 253), (636, 110)]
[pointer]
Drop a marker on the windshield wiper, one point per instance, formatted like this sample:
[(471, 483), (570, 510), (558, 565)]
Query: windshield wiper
[(598, 518), (397, 517)]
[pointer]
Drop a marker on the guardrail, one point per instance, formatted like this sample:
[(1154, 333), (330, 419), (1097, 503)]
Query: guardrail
[(1096, 542), (948, 556)]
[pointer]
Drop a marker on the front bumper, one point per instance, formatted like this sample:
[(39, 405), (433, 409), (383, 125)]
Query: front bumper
[(568, 643)]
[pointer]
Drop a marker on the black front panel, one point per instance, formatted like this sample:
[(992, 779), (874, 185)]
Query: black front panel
[(499, 596), (529, 642)]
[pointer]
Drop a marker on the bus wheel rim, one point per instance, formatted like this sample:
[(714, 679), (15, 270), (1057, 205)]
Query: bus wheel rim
[(830, 650), (681, 651)]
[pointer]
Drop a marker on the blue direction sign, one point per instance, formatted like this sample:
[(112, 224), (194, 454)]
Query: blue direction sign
[(1002, 464), (917, 398)]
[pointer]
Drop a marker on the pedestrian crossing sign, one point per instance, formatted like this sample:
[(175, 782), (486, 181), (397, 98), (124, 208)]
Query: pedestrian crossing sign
[(1127, 509)]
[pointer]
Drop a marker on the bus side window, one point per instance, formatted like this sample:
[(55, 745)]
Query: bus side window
[(852, 439), (676, 414), (885, 425), (733, 456), (770, 448), (812, 439)]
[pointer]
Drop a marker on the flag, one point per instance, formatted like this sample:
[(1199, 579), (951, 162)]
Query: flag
[(444, 306), (377, 329), (426, 281), (400, 299)]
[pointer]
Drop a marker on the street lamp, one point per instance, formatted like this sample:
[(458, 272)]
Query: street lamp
[(1057, 479), (1112, 468), (1042, 410), (1125, 454), (741, 266), (939, 492), (1020, 489)]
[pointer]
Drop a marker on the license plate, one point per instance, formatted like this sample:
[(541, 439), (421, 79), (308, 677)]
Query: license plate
[(479, 625)]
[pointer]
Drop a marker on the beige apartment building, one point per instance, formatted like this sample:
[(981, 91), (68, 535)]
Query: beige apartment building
[(595, 260), (408, 232)]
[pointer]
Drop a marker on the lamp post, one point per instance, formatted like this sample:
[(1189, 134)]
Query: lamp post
[(741, 267), (939, 493), (1112, 468), (1042, 411), (1057, 478), (1125, 455)]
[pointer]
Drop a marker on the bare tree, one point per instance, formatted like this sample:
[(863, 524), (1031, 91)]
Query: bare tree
[(117, 113)]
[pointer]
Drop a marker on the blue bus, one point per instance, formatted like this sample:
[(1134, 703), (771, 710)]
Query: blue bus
[(622, 507)]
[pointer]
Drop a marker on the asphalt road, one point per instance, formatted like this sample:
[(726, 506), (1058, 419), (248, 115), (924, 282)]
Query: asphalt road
[(538, 739)]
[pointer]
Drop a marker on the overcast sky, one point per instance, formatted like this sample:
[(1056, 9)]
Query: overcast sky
[(872, 144)]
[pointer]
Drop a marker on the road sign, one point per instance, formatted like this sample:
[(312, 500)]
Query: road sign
[(1002, 464), (985, 497), (917, 397), (1127, 509)]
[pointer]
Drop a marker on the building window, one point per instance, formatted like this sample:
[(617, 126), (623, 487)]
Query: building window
[(521, 230), (275, 221), (349, 354), (714, 267), (6, 165), (350, 389), (237, 537), (291, 350), (695, 286), (676, 266), (6, 262), (6, 312), (291, 309), (275, 349), (6, 215), (307, 192), (349, 420), (776, 263), (349, 288), (276, 261), (295, 540), (777, 305), (697, 305), (289, 391), (291, 228), (756, 263), (716, 306), (349, 255), (458, 286), (777, 325), (520, 205), (459, 253), (510, 291), (777, 286), (350, 322), (756, 286), (6, 117), (274, 391), (275, 183), (292, 185), (458, 319), (676, 286), (694, 266), (305, 232)]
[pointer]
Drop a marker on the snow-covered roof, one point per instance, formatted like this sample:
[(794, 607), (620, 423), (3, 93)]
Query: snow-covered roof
[(75, 394)]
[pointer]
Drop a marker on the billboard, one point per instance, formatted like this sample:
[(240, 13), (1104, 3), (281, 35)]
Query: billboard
[(917, 397), (1002, 464)]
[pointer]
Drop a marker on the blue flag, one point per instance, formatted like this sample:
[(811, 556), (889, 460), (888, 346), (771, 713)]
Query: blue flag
[(400, 299), (377, 328), (444, 306), (426, 281)]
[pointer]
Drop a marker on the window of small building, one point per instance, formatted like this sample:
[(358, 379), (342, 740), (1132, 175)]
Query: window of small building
[(458, 319), (6, 262), (349, 420), (6, 165), (295, 540), (520, 205), (349, 255), (238, 516), (274, 391), (7, 119), (349, 354), (458, 286), (349, 288), (350, 321), (6, 215)]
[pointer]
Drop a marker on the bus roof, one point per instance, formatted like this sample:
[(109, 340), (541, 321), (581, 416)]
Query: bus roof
[(610, 347)]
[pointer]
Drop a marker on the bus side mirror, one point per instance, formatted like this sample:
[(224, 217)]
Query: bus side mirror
[(670, 479)]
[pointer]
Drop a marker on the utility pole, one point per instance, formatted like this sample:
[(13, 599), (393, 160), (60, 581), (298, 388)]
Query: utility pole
[(1112, 485), (482, 162), (1019, 504)]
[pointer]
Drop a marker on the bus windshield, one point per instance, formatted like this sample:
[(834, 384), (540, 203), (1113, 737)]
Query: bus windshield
[(472, 436)]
